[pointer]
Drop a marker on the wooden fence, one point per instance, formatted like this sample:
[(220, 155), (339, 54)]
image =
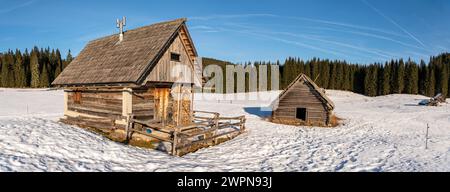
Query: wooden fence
[(207, 129)]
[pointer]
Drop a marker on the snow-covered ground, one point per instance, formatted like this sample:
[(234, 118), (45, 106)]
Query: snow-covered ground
[(379, 134)]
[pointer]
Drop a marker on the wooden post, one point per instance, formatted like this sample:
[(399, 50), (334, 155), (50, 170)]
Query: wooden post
[(426, 137), (175, 142), (242, 126), (216, 120), (329, 116), (216, 127), (127, 101), (179, 103), (66, 100), (127, 129)]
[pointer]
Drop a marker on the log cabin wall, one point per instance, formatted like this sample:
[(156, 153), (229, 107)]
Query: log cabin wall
[(143, 103), (98, 103), (95, 108), (301, 95), (164, 68)]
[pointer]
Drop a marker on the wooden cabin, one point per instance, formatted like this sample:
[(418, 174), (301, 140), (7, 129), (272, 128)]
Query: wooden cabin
[(136, 86), (303, 103)]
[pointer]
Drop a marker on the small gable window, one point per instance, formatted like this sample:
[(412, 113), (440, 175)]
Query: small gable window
[(175, 57)]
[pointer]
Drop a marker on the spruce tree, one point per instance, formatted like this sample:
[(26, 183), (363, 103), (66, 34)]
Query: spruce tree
[(6, 73), (422, 77), (2, 70), (447, 66), (12, 75), (44, 77), (19, 69), (346, 78), (399, 77), (415, 79), (380, 81), (59, 64), (325, 73), (34, 65), (444, 80), (339, 76), (287, 71), (431, 82), (315, 75), (386, 89), (1, 56), (332, 79), (367, 87), (411, 78), (307, 70), (69, 58), (370, 81)]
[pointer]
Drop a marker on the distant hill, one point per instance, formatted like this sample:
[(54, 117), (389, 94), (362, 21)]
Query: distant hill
[(210, 61)]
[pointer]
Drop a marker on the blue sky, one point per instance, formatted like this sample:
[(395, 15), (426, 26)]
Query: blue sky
[(362, 31)]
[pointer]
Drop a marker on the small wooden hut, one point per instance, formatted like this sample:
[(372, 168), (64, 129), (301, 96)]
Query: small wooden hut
[(136, 86), (303, 103)]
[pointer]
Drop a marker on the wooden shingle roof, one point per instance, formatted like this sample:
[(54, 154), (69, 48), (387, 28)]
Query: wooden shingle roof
[(325, 99), (107, 61)]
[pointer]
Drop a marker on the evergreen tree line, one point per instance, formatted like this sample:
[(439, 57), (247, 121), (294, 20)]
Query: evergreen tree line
[(39, 67), (392, 77), (35, 69)]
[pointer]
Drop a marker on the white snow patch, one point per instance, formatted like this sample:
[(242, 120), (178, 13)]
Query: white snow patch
[(378, 134)]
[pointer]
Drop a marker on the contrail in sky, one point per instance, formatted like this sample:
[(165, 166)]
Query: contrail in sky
[(284, 41), (7, 10), (239, 16), (230, 16), (393, 22), (316, 38)]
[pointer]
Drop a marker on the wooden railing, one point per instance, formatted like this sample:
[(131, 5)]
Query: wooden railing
[(205, 130)]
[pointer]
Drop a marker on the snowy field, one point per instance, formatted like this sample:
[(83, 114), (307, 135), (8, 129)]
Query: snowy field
[(378, 134)]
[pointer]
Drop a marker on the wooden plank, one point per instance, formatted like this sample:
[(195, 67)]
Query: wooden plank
[(96, 107), (144, 106), (144, 115), (99, 95), (310, 107), (100, 100), (205, 140), (100, 123), (153, 136), (96, 112)]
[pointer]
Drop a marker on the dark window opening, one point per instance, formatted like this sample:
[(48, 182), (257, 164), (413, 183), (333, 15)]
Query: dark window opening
[(301, 114), (175, 57)]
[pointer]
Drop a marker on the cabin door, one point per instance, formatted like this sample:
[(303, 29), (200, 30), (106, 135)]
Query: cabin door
[(162, 104)]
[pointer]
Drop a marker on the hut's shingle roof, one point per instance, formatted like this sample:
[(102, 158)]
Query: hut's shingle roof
[(327, 101), (106, 61)]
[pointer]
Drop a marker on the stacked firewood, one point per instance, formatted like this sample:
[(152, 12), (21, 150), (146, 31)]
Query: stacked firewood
[(435, 101)]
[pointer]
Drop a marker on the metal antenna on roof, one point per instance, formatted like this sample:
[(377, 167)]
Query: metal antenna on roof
[(120, 24)]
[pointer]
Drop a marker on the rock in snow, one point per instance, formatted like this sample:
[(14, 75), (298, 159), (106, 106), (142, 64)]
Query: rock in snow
[(378, 134)]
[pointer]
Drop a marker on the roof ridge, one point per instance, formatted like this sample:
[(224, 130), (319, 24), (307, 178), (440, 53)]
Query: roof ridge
[(310, 81), (159, 23), (182, 20)]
